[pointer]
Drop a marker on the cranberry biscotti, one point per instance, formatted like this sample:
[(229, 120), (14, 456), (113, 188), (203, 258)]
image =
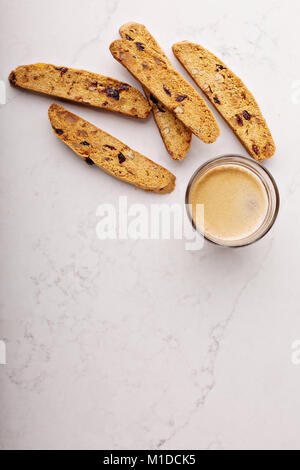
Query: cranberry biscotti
[(83, 87), (175, 135), (168, 86), (97, 147), (230, 97)]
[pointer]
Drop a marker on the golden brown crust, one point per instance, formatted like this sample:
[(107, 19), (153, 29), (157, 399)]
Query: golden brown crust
[(133, 31), (115, 158), (230, 97), (168, 86), (175, 135), (83, 87)]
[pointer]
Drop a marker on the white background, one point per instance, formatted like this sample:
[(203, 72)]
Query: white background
[(142, 344)]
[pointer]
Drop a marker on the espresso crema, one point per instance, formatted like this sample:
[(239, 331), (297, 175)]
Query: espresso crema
[(235, 202)]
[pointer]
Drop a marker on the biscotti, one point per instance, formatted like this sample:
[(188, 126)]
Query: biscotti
[(175, 135), (115, 158), (168, 86), (230, 96), (81, 86)]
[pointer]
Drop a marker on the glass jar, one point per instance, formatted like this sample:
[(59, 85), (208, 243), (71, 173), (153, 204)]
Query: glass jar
[(266, 180)]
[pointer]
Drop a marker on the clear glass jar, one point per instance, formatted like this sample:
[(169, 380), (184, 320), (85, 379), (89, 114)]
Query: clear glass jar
[(268, 182)]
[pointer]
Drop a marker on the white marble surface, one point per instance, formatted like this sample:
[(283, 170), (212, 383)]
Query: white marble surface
[(142, 344)]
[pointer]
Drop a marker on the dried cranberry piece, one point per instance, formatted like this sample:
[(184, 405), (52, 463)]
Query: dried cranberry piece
[(121, 158), (89, 161), (255, 149), (58, 131), (153, 99), (62, 70), (109, 147), (167, 91), (181, 98), (122, 87), (85, 143), (128, 38), (246, 115), (140, 46), (13, 78), (220, 67), (216, 100), (112, 93), (239, 120)]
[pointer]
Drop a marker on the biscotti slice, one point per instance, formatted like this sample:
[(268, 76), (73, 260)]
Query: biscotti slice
[(81, 86), (230, 96), (168, 86), (175, 135), (96, 146)]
